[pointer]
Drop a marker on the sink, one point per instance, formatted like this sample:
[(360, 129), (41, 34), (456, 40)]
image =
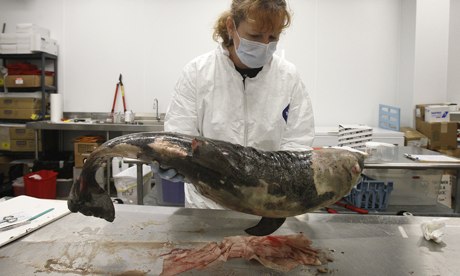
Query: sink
[(149, 122), (148, 119)]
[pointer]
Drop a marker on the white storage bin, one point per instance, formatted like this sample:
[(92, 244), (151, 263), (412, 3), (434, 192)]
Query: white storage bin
[(118, 165), (126, 183)]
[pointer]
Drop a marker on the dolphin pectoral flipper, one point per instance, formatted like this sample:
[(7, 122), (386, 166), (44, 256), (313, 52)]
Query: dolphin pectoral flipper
[(266, 226)]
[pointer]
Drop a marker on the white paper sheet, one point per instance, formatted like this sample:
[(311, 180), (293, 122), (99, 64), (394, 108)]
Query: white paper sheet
[(432, 158), (25, 207)]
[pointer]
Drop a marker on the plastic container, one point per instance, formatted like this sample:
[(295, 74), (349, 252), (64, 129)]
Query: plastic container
[(126, 183), (118, 165), (170, 193), (378, 151), (410, 187), (371, 194), (62, 167), (18, 186), (63, 187), (41, 188)]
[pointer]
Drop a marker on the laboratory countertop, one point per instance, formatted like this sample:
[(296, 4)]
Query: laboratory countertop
[(399, 160), (96, 126), (133, 243)]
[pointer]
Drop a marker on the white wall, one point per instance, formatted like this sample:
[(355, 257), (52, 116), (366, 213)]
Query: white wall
[(431, 51), (424, 57), (357, 52), (350, 53), (453, 77), (405, 95)]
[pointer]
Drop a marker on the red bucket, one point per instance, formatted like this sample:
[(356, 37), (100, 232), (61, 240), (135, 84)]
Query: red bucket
[(41, 188)]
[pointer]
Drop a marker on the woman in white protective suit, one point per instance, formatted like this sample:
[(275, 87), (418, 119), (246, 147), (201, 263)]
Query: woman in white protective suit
[(241, 92)]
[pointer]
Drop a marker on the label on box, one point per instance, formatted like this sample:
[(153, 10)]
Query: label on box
[(445, 190), (437, 113), (5, 145), (19, 81)]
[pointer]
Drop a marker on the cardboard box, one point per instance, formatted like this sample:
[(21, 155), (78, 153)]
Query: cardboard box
[(20, 103), (414, 138), (24, 114), (83, 146), (17, 139), (420, 108), (437, 113), (441, 135), (82, 152), (18, 81), (24, 145), (4, 138), (452, 152), (454, 116), (22, 133)]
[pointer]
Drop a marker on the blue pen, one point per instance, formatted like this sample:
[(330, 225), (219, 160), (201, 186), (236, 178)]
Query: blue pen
[(41, 214)]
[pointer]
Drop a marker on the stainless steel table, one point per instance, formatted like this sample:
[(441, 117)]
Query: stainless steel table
[(133, 243), (399, 161), (139, 178), (107, 127)]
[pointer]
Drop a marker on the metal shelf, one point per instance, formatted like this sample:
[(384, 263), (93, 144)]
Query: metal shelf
[(43, 57), (37, 55)]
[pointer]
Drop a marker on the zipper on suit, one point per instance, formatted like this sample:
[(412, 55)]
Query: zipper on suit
[(245, 106)]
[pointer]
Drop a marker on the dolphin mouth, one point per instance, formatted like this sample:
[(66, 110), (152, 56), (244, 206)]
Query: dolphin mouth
[(97, 203), (101, 208)]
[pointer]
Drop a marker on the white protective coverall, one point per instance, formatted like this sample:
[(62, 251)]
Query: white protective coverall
[(271, 111)]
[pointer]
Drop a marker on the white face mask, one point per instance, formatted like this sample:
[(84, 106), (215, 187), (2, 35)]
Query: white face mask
[(254, 54)]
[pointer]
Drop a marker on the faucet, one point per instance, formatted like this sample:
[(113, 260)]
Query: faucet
[(155, 106)]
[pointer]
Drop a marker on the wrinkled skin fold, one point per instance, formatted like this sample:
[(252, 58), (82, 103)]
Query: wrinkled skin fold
[(274, 185)]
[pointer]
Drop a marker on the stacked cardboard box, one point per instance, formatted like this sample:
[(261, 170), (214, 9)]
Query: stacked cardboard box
[(26, 81), (21, 107), (26, 75), (433, 122), (17, 138), (83, 146), (28, 38)]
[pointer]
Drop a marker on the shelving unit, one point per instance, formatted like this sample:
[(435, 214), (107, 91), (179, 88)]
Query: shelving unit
[(43, 59), (44, 62)]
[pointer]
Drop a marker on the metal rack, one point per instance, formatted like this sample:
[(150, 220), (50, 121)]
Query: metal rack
[(43, 58)]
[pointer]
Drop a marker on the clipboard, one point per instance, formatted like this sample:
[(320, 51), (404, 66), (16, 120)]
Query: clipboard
[(26, 207), (434, 158)]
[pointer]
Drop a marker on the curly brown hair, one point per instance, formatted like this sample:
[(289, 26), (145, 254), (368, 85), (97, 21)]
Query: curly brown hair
[(269, 15)]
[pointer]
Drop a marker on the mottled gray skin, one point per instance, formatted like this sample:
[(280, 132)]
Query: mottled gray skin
[(269, 184)]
